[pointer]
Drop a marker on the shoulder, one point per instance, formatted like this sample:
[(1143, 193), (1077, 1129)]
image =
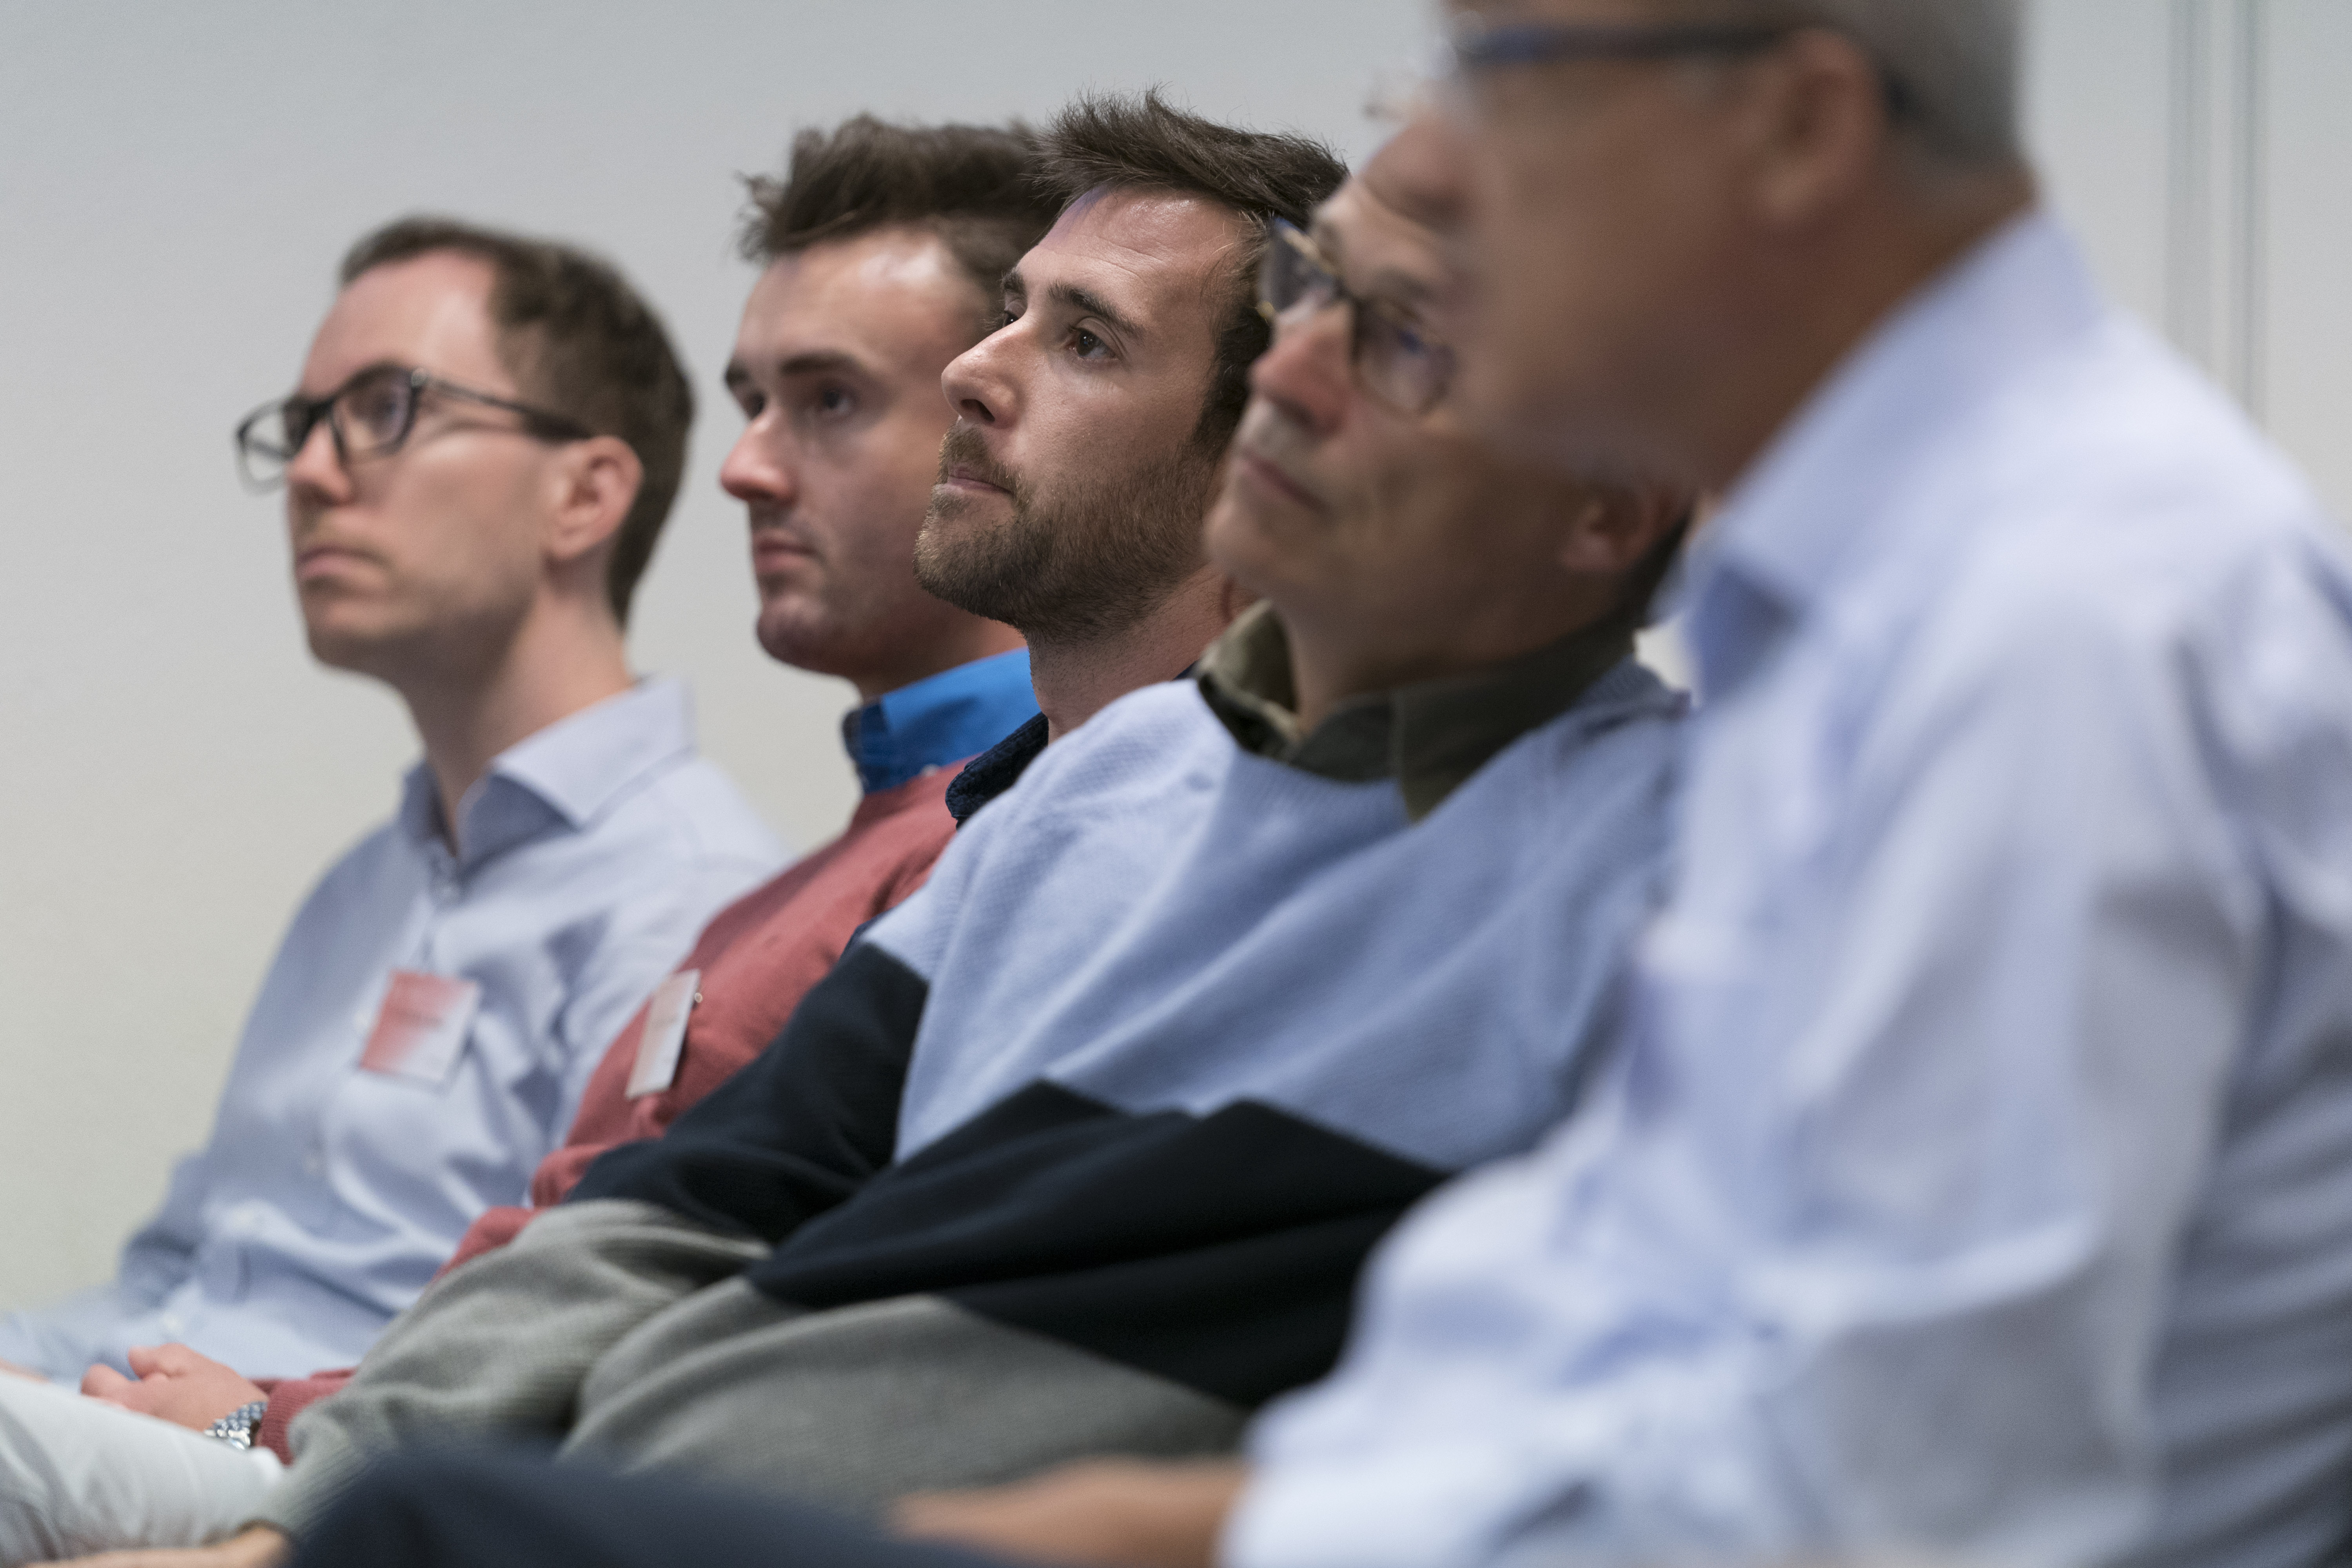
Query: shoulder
[(1114, 787), (690, 808), (381, 862), (1147, 744)]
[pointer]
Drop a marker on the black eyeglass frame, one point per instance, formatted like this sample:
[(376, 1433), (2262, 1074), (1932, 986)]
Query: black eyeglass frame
[(1364, 317), (302, 415), (1476, 45)]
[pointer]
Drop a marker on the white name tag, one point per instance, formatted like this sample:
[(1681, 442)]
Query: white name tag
[(665, 1034), (420, 1030)]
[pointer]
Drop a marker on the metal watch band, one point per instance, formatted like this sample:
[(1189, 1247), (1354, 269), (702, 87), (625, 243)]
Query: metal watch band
[(236, 1428)]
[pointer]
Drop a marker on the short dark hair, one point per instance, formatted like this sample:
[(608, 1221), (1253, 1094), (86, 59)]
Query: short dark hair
[(1122, 140), (579, 341), (974, 186)]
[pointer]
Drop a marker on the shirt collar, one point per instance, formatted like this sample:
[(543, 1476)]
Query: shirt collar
[(1826, 494), (996, 770), (1430, 736), (568, 772), (940, 719)]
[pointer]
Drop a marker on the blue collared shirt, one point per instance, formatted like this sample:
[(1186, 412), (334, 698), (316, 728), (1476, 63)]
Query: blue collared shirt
[(942, 718), (1976, 1171), (328, 1195)]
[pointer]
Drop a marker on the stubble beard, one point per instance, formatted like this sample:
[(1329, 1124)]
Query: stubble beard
[(1074, 565)]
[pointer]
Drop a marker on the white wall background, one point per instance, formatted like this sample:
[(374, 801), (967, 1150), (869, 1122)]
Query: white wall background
[(177, 180)]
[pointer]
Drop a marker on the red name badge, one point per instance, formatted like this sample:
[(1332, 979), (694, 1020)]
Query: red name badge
[(421, 1028)]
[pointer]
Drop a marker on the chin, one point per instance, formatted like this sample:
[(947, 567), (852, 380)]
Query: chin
[(338, 647), (803, 641)]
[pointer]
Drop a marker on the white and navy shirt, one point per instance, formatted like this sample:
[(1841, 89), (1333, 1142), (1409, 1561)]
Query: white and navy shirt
[(1177, 1029)]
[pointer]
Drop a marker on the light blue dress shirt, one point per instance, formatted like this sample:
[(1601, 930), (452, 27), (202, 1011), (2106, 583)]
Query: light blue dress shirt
[(1976, 1171), (943, 718), (328, 1195)]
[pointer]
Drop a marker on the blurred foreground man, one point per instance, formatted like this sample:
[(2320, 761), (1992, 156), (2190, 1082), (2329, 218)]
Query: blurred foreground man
[(1976, 1176), (480, 456)]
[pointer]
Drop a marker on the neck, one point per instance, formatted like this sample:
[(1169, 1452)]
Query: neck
[(1076, 680), (554, 665), (1332, 663), (1839, 286), (970, 641)]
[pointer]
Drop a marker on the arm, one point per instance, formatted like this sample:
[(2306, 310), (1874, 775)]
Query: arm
[(1107, 1513), (496, 1351)]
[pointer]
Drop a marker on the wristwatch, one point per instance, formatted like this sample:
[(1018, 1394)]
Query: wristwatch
[(236, 1428)]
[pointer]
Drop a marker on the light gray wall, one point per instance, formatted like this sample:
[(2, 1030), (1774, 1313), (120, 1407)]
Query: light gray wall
[(176, 182)]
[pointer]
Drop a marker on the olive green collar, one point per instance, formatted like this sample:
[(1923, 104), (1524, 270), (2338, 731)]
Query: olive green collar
[(1430, 735)]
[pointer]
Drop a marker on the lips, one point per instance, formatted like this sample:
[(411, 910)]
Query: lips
[(778, 550), (319, 558), (1267, 474), (964, 461)]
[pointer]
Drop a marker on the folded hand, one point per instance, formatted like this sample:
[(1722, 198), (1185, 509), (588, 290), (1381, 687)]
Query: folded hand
[(176, 1385)]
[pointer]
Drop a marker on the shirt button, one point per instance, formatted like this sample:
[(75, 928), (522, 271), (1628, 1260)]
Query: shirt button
[(170, 1323)]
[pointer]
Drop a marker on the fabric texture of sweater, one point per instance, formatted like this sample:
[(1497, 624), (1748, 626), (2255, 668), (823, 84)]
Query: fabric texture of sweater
[(1173, 1034)]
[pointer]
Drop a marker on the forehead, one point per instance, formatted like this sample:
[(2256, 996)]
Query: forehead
[(877, 297), (1148, 254), (1382, 250), (432, 311)]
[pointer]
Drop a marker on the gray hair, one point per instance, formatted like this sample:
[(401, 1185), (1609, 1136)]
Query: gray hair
[(1954, 64)]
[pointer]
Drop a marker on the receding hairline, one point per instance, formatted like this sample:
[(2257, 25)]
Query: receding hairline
[(1239, 228)]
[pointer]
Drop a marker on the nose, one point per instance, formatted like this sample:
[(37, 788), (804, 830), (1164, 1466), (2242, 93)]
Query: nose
[(755, 470), (317, 474), (979, 383), (1305, 373)]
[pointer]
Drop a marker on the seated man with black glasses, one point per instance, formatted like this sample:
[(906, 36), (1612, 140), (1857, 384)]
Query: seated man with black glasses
[(484, 446)]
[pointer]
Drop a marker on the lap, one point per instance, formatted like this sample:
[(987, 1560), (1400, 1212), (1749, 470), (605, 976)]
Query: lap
[(518, 1514), (77, 1475)]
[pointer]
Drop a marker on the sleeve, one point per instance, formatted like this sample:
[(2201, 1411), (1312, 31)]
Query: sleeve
[(496, 1353), (1871, 1238), (289, 1397), (798, 1130)]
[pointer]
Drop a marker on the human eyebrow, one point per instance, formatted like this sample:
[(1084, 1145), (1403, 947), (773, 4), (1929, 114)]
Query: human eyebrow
[(823, 362), (1089, 303), (1392, 285)]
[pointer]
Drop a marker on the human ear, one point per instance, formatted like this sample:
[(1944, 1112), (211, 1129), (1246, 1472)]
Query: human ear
[(1618, 526), (594, 482), (1817, 127)]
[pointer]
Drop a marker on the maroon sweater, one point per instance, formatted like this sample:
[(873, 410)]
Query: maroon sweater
[(757, 957)]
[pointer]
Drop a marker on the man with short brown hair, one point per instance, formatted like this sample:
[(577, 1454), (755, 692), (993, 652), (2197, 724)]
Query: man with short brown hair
[(485, 442)]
